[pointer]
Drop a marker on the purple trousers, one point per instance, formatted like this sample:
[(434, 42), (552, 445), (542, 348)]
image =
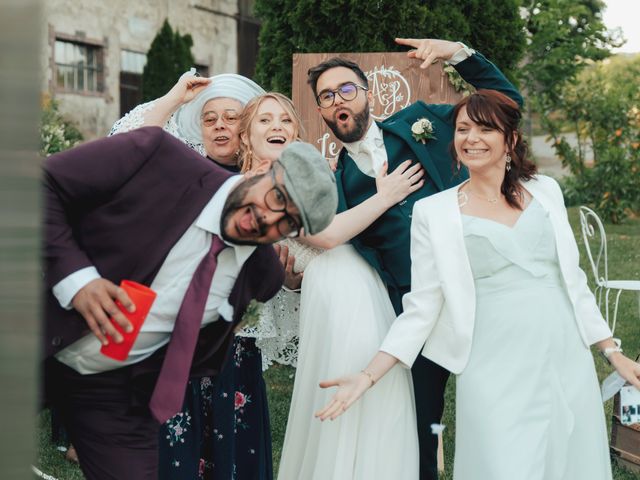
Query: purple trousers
[(108, 422)]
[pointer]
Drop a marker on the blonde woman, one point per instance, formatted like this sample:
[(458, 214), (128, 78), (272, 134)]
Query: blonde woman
[(268, 124)]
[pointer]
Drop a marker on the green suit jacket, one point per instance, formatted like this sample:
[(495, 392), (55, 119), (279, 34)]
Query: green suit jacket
[(385, 243)]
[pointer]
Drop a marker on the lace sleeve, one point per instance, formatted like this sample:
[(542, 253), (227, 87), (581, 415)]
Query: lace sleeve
[(132, 120), (135, 119), (277, 331)]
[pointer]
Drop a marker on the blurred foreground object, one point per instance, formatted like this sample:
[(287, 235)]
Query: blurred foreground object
[(19, 233)]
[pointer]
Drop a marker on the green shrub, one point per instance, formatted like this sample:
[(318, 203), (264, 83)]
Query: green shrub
[(602, 108), (611, 186), (56, 132)]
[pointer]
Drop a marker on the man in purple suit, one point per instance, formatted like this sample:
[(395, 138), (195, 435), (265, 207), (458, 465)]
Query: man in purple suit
[(142, 206)]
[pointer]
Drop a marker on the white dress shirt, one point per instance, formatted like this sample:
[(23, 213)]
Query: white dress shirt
[(369, 153), (170, 284), (462, 54)]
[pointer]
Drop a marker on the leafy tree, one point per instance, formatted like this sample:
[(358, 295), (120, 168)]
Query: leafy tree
[(168, 57), (563, 37), (602, 107), (571, 90), (289, 26)]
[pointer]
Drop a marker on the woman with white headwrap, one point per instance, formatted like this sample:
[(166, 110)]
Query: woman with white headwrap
[(202, 112), (223, 430)]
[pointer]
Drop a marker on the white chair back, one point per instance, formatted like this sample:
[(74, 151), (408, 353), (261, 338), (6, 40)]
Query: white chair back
[(593, 234)]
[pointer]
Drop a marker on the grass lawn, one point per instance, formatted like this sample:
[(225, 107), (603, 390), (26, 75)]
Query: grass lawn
[(624, 263)]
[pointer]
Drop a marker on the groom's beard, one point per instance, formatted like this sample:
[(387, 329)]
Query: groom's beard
[(357, 132)]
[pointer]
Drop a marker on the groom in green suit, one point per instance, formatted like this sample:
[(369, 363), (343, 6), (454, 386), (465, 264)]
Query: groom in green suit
[(342, 95)]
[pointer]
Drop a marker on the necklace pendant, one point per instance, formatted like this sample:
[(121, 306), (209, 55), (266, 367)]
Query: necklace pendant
[(492, 201), (463, 199)]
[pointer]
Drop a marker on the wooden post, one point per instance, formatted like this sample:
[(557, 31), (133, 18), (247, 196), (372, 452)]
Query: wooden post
[(440, 453)]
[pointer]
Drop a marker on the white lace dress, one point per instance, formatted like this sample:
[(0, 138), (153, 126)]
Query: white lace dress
[(277, 331), (135, 119)]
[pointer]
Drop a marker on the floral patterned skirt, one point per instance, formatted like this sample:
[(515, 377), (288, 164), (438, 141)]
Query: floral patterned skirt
[(223, 431)]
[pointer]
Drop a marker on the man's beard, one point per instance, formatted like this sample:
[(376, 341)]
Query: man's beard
[(361, 121), (236, 202)]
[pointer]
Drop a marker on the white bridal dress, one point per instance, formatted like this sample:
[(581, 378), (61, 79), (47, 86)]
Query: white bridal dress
[(528, 402), (345, 313)]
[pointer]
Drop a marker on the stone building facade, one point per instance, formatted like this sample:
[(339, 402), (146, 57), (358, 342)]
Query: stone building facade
[(94, 51)]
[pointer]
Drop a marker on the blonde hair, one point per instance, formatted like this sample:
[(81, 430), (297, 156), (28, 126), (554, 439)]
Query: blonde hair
[(245, 156)]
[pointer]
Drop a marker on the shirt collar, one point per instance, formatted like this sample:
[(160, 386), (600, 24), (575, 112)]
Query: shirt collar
[(373, 138), (211, 216)]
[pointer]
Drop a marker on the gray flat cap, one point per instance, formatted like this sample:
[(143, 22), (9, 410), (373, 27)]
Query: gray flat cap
[(310, 184)]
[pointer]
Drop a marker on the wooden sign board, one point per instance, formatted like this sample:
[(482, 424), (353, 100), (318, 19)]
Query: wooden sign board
[(395, 81)]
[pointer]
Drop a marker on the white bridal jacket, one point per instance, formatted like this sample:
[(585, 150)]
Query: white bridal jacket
[(439, 311)]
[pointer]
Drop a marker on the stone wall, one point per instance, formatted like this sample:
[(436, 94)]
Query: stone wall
[(125, 25)]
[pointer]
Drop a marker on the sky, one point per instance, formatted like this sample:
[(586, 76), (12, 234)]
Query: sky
[(624, 14)]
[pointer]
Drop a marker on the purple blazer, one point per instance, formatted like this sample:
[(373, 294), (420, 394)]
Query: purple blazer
[(120, 204)]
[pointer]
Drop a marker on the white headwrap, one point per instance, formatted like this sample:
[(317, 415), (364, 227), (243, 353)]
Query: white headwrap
[(228, 85)]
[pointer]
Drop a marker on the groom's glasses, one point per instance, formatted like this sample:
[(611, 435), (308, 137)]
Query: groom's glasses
[(347, 91)]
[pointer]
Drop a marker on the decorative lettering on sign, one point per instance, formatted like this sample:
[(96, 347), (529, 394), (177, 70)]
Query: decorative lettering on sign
[(328, 149), (390, 90)]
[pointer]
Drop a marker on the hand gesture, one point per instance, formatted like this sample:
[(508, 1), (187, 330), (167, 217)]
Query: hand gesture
[(350, 389), (95, 302), (626, 368), (403, 181), (430, 50), (292, 280), (187, 88)]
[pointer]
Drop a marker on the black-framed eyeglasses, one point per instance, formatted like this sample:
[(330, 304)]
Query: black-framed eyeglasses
[(276, 201), (229, 117), (347, 91)]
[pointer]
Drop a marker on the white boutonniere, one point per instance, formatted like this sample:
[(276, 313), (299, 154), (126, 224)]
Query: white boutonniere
[(422, 130)]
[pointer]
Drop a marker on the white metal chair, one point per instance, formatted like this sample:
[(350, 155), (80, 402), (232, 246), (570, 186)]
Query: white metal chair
[(593, 233)]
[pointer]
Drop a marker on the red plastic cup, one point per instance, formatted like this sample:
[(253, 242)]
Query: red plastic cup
[(142, 297)]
